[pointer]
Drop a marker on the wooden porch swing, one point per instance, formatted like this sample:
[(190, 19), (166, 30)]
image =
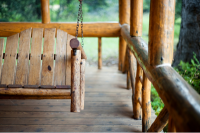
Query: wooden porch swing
[(42, 78)]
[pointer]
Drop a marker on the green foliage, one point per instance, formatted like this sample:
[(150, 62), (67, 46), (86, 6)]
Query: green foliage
[(178, 9), (157, 103), (20, 10), (191, 72)]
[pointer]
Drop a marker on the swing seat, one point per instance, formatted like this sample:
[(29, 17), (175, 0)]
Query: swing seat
[(38, 68)]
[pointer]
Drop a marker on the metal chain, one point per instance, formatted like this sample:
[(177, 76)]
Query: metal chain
[(80, 18)]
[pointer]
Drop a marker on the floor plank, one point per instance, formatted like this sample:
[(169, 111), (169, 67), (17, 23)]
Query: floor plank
[(108, 108)]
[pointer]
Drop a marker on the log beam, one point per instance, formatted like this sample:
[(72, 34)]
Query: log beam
[(90, 29)]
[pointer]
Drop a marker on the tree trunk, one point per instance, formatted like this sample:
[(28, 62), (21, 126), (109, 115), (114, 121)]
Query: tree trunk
[(189, 38)]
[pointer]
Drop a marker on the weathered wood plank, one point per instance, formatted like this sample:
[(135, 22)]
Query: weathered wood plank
[(9, 66), (23, 57), (70, 128), (60, 63), (34, 92), (48, 57), (35, 60), (1, 54), (68, 60)]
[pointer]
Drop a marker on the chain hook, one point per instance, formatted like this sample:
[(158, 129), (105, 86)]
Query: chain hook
[(80, 18)]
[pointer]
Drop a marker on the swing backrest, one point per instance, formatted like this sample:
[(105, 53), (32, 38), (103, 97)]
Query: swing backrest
[(36, 57)]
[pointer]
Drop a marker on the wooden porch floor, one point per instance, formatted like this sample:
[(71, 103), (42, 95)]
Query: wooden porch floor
[(108, 108)]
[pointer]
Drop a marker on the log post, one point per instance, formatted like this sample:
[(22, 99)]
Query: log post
[(136, 17), (124, 17), (161, 32), (171, 125), (45, 11), (75, 80), (82, 83), (160, 122), (146, 104), (99, 53), (138, 97)]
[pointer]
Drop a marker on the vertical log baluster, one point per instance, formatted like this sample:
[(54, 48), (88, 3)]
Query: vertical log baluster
[(132, 69), (146, 104), (136, 13), (99, 53), (137, 109)]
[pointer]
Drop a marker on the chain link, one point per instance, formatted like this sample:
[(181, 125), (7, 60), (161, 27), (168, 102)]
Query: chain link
[(80, 18)]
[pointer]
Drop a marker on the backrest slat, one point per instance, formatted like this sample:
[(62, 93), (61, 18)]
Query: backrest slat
[(68, 60), (1, 54), (23, 58), (35, 60), (48, 57), (9, 66), (60, 62)]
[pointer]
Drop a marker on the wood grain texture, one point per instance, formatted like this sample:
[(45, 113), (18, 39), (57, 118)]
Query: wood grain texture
[(45, 11), (146, 104), (161, 33), (136, 17), (171, 125), (48, 57), (1, 54), (133, 69), (124, 11), (75, 81), (35, 57), (82, 80), (137, 109), (60, 62), (25, 97), (160, 122), (99, 53), (171, 87), (110, 104), (23, 58), (68, 60), (92, 29), (34, 92), (9, 66)]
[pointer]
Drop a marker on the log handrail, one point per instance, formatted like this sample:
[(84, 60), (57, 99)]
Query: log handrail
[(180, 99)]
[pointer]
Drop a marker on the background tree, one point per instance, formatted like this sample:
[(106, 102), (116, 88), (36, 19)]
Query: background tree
[(189, 38)]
